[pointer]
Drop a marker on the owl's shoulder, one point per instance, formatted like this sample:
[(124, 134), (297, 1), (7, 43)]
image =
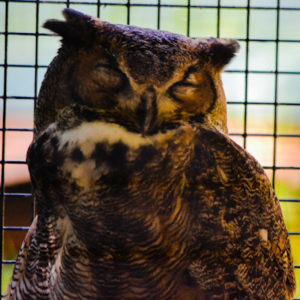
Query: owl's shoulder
[(238, 226)]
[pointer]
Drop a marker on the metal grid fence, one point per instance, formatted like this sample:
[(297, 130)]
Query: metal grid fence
[(244, 105)]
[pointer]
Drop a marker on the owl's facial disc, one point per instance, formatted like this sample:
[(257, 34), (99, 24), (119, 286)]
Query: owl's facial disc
[(144, 77)]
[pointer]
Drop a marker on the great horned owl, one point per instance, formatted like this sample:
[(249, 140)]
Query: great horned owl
[(140, 192)]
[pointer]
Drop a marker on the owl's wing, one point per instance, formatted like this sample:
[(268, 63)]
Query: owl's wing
[(242, 248), (20, 266), (29, 279)]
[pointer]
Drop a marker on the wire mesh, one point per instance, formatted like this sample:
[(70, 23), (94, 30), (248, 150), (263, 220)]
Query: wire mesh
[(263, 116)]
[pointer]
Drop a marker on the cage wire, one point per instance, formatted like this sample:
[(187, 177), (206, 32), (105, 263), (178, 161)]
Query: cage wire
[(261, 85)]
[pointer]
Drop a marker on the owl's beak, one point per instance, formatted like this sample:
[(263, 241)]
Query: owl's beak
[(147, 110)]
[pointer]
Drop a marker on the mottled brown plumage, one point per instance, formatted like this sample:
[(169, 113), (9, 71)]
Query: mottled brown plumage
[(140, 193)]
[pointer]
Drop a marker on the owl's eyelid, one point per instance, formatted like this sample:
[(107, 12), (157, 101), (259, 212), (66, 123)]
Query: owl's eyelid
[(107, 66), (185, 84), (192, 70), (110, 68), (179, 85)]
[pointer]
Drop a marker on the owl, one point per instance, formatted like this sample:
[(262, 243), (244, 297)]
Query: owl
[(140, 192)]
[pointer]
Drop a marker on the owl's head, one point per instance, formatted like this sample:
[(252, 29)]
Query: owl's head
[(149, 79)]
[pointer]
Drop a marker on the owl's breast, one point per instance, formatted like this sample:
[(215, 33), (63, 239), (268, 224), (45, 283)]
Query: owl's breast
[(122, 193)]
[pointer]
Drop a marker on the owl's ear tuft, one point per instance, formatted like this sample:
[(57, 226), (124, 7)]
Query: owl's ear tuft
[(78, 27), (222, 51), (65, 30)]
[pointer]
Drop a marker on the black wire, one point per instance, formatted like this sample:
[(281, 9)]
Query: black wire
[(158, 14), (200, 6), (3, 136), (238, 39), (276, 95), (218, 18), (128, 11)]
